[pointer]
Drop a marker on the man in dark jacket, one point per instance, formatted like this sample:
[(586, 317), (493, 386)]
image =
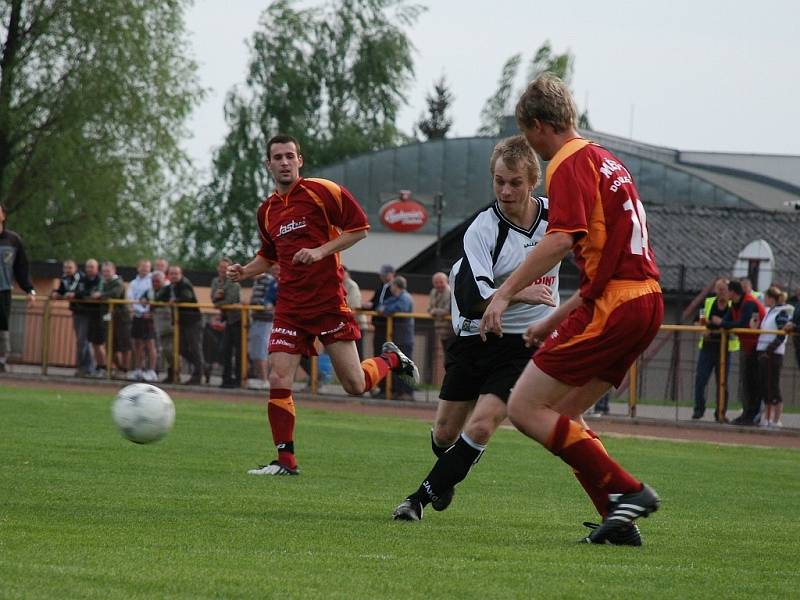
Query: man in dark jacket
[(225, 292), (13, 265), (94, 311), (68, 285), (113, 288), (745, 312), (190, 322)]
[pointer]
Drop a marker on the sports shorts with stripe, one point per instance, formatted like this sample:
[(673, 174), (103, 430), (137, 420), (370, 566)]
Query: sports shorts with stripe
[(602, 338)]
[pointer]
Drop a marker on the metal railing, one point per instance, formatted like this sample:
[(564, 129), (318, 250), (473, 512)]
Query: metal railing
[(245, 311), (631, 385)]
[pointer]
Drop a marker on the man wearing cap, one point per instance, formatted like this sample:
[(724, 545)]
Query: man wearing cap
[(744, 312)]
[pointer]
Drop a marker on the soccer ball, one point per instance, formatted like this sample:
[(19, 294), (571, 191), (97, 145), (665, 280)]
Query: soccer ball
[(143, 413)]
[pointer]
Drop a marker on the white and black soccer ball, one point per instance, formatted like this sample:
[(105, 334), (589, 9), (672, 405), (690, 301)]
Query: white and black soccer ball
[(143, 413)]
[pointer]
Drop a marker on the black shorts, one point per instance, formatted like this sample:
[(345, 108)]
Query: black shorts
[(122, 334), (97, 329), (5, 310), (142, 329), (474, 367)]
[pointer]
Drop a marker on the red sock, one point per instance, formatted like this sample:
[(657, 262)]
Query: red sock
[(572, 444), (391, 359), (598, 496), (281, 413), (375, 369)]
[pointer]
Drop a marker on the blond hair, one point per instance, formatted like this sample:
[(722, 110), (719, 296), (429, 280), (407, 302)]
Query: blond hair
[(776, 294), (548, 100), (517, 155)]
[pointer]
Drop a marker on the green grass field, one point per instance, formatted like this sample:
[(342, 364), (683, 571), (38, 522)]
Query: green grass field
[(87, 514)]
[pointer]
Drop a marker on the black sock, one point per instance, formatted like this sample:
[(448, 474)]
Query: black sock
[(437, 449), (450, 469)]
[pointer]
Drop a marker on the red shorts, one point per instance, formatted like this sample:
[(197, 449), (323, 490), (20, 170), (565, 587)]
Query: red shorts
[(295, 334), (602, 339)]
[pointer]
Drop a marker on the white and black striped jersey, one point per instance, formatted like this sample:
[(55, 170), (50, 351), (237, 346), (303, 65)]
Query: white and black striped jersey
[(493, 248)]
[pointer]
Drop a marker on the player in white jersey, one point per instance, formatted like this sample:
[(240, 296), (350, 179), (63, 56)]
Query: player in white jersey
[(479, 375)]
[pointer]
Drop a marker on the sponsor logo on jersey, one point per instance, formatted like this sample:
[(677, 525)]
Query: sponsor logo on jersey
[(609, 168), (547, 280), (291, 226)]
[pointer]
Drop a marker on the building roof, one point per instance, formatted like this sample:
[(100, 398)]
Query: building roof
[(692, 245), (706, 242)]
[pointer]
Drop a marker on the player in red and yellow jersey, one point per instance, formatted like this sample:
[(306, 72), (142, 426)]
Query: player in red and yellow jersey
[(591, 340), (303, 226)]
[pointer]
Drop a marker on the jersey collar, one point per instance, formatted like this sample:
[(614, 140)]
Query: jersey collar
[(540, 213)]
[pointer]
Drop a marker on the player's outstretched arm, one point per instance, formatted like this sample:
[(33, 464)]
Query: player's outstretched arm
[(547, 254), (306, 256), (258, 265)]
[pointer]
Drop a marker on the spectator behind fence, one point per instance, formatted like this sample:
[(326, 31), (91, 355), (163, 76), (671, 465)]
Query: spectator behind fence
[(161, 264), (354, 302), (68, 284), (13, 265), (747, 286), (264, 294), (96, 327), (190, 322), (143, 334), (770, 349), (386, 275), (439, 308), (794, 325), (225, 292), (710, 346), (744, 312), (162, 321), (399, 301), (113, 288)]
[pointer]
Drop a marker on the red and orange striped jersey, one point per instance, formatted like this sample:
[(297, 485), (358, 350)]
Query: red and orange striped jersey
[(593, 197), (312, 213)]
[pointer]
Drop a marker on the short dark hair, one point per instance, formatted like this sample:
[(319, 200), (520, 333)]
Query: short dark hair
[(736, 287), (282, 138)]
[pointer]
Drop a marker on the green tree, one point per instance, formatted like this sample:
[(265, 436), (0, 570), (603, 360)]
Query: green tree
[(501, 103), (332, 76), (93, 96), (436, 124), (496, 107)]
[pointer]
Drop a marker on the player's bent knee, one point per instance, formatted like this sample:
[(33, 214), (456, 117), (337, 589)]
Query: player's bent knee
[(481, 432), (353, 386), (446, 433), (278, 380)]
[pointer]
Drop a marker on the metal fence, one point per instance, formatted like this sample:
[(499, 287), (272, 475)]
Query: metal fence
[(42, 336)]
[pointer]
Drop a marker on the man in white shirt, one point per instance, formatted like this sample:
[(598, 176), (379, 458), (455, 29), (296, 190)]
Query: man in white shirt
[(140, 290)]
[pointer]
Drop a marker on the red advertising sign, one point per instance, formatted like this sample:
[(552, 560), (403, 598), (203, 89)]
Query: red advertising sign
[(403, 214)]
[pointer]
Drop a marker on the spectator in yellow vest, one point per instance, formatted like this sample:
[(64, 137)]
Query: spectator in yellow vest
[(708, 358)]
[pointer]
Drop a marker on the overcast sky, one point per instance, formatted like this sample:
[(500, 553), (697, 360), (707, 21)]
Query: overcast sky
[(689, 74)]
